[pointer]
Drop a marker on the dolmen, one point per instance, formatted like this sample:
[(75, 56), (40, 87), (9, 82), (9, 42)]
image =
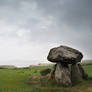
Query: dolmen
[(67, 69)]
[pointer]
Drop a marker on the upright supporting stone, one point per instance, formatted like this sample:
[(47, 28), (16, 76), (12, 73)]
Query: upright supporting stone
[(62, 74), (52, 73), (76, 76), (83, 74)]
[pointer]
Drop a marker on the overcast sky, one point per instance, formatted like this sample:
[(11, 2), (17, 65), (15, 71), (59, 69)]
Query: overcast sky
[(30, 28)]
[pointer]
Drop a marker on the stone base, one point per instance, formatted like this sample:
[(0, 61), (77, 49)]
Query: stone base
[(76, 76), (61, 74), (83, 74)]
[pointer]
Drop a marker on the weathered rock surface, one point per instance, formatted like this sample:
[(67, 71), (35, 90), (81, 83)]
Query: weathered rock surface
[(82, 72), (52, 73), (76, 75), (64, 54), (62, 74)]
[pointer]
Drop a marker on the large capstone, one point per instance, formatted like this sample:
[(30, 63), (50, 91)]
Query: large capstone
[(65, 54)]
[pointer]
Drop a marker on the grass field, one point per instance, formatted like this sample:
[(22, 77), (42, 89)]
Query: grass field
[(17, 81)]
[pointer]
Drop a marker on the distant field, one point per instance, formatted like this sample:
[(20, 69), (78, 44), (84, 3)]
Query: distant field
[(87, 62), (17, 81)]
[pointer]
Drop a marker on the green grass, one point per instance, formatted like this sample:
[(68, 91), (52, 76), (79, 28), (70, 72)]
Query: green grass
[(88, 70), (17, 81)]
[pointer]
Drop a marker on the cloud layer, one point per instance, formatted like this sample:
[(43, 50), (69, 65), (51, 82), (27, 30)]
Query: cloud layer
[(29, 28)]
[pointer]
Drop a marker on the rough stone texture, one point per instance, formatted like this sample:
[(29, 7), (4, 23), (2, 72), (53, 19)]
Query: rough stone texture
[(64, 54), (52, 73), (75, 74), (62, 74), (83, 74)]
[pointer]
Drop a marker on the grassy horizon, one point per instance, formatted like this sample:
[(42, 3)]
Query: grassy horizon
[(17, 81)]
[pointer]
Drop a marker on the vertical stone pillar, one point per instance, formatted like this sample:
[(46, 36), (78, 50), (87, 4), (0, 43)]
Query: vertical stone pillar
[(76, 76), (83, 74), (62, 74)]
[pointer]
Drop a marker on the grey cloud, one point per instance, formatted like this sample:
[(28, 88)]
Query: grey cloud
[(53, 21), (75, 13)]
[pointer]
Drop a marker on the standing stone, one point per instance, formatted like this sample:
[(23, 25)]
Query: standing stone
[(63, 56), (76, 76), (52, 73), (62, 74), (83, 74)]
